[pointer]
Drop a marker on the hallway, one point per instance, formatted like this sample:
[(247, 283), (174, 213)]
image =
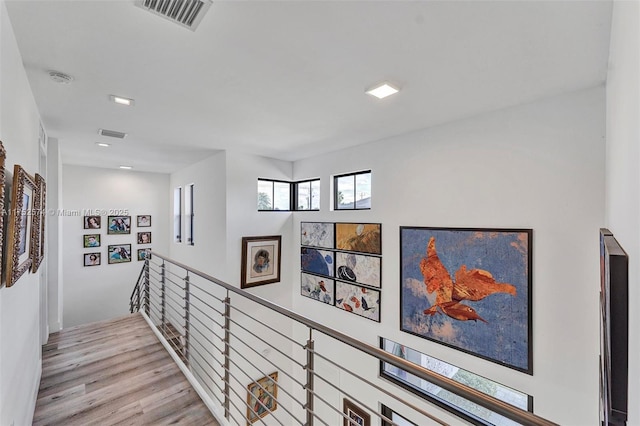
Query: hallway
[(114, 372)]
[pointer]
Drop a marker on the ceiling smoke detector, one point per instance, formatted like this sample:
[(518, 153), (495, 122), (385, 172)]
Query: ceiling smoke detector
[(186, 13), (60, 77)]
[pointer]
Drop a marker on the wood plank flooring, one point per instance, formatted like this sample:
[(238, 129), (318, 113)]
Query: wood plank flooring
[(114, 372)]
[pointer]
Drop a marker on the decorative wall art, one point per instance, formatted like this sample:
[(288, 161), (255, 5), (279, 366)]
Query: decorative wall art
[(91, 240), (260, 261), (143, 221), (20, 238), (358, 300), (144, 237), (40, 217), (92, 259), (318, 288), (119, 253), (469, 289), (356, 416), (3, 156), (341, 265), (92, 222), (119, 225), (360, 237), (317, 234), (143, 254), (262, 397)]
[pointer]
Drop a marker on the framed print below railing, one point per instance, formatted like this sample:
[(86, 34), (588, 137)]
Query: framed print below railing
[(355, 416), (39, 219), (469, 289), (260, 261), (20, 238), (262, 397), (3, 156)]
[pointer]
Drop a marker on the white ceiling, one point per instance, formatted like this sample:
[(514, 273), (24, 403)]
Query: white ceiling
[(286, 79)]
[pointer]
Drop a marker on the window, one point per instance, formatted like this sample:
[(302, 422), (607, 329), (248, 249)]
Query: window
[(394, 417), (274, 195), (188, 212), (307, 195), (476, 414), (352, 191), (177, 214)]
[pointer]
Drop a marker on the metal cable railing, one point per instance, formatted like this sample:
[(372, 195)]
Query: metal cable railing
[(231, 346)]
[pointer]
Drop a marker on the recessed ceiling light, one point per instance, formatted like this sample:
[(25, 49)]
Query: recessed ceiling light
[(126, 167), (382, 91), (120, 100), (104, 145)]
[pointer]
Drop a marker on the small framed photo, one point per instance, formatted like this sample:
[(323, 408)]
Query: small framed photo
[(91, 240), (119, 225), (356, 416), (119, 253), (92, 222), (91, 259), (144, 237), (262, 397), (144, 221), (260, 261), (143, 254)]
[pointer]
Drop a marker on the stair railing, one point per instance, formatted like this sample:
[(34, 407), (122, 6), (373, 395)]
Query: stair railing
[(232, 347)]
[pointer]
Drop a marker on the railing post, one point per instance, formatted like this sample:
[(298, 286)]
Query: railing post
[(187, 307), (310, 372), (162, 297), (145, 297), (227, 323)]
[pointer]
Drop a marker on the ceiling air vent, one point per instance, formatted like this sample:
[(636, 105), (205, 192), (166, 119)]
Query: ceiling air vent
[(112, 133), (186, 13)]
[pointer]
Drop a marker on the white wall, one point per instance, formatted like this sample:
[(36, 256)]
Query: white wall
[(102, 292), (20, 355), (623, 173), (537, 166)]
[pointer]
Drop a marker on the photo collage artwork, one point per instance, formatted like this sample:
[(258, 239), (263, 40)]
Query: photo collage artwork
[(341, 265), (116, 225)]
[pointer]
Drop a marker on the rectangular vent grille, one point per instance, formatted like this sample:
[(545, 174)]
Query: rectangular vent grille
[(186, 13), (112, 133)]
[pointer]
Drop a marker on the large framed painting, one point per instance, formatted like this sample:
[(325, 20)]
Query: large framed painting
[(3, 156), (318, 288), (317, 234), (360, 237), (21, 231), (260, 261), (469, 289), (358, 268), (39, 222), (316, 261), (358, 300), (262, 397)]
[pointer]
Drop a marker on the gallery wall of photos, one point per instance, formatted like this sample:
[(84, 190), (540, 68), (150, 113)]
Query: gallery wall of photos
[(117, 251), (341, 265)]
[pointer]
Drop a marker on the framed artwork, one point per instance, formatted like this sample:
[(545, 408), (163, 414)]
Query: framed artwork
[(20, 238), (143, 221), (360, 237), (3, 156), (318, 288), (144, 237), (260, 261), (317, 234), (119, 225), (359, 268), (355, 416), (469, 289), (143, 253), (358, 300), (262, 397), (119, 253), (92, 222), (316, 261), (91, 259), (91, 240), (39, 222)]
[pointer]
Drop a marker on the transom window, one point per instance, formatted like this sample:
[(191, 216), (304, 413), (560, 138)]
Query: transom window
[(278, 195), (352, 191)]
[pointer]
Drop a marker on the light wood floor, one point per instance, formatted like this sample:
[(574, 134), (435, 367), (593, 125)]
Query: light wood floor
[(114, 372)]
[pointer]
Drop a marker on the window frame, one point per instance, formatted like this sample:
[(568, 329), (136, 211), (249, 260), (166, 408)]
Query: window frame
[(336, 192), (273, 209), (177, 214), (189, 213), (296, 193)]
